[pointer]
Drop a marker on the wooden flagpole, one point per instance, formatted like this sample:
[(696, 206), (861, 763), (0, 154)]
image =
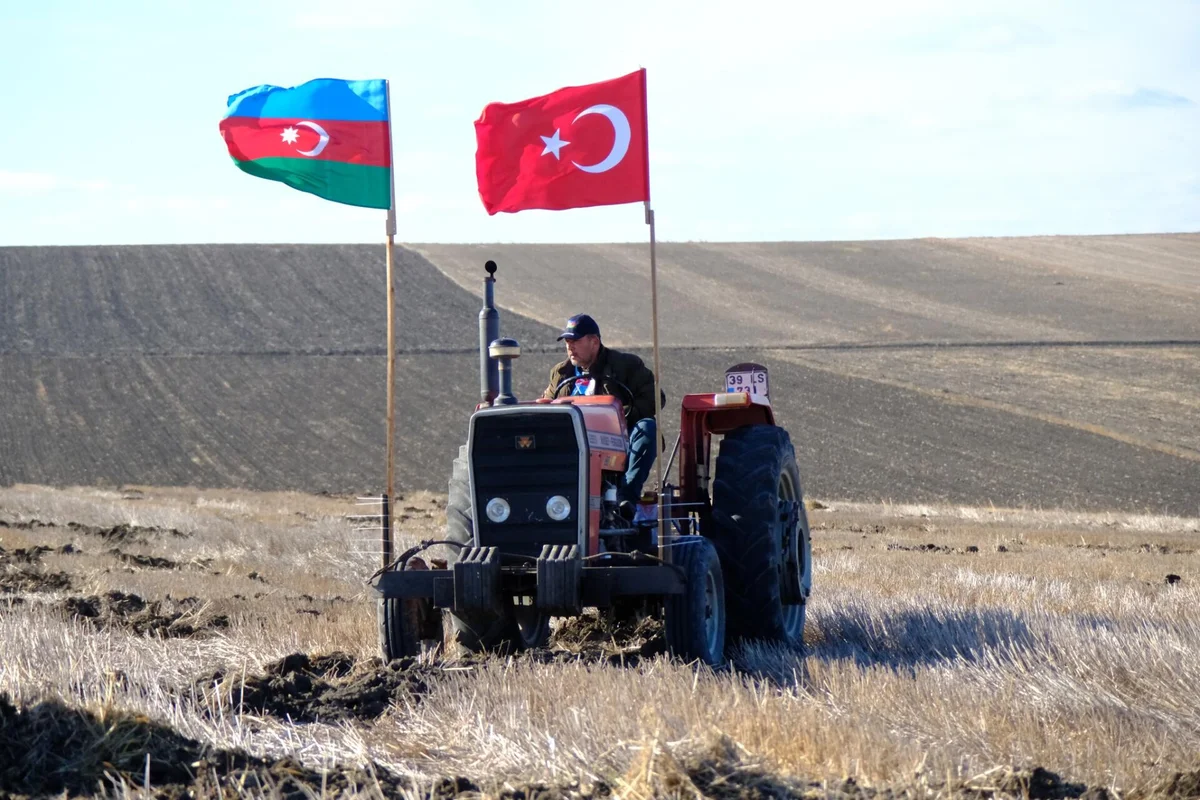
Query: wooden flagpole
[(664, 551), (388, 498)]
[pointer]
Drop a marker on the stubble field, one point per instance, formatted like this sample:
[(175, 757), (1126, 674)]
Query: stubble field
[(215, 643)]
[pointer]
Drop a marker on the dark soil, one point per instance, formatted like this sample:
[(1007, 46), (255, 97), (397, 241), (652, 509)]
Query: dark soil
[(139, 534), (598, 638), (334, 687), (932, 548), (1177, 786), (52, 749), (325, 688), (166, 618), (23, 581), (1145, 547), (140, 560), (24, 555), (20, 573)]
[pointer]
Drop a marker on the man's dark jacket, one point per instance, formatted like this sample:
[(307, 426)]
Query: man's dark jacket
[(618, 374)]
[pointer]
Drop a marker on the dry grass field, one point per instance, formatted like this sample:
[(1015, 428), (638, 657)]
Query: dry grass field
[(222, 643)]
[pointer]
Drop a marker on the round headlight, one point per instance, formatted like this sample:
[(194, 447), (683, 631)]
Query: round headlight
[(558, 507), (498, 509)]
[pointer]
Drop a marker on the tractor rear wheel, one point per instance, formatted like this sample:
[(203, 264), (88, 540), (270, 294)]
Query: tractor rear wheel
[(518, 627), (695, 620), (761, 533)]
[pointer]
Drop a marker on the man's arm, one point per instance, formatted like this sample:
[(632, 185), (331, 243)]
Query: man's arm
[(641, 384), (548, 394)]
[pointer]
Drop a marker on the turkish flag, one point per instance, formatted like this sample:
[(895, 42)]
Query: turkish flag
[(579, 146)]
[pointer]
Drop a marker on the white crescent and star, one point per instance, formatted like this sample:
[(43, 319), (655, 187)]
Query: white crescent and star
[(290, 135), (621, 138)]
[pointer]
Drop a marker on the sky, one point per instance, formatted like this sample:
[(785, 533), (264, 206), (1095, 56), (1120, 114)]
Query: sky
[(767, 121)]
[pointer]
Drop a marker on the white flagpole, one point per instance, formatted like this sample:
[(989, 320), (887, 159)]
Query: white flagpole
[(389, 498)]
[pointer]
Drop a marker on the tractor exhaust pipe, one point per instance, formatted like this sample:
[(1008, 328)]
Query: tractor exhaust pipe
[(489, 331)]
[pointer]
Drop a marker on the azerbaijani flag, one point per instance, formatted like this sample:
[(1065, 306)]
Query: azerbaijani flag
[(329, 137)]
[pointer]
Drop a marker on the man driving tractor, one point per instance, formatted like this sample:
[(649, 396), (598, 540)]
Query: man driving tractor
[(593, 369)]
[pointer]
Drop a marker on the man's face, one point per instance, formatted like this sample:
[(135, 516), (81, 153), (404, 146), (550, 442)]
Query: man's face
[(582, 351)]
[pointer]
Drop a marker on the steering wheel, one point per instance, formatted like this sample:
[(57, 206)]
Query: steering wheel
[(628, 393)]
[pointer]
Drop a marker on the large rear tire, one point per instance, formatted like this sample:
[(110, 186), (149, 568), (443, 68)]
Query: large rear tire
[(695, 620), (761, 533), (517, 627)]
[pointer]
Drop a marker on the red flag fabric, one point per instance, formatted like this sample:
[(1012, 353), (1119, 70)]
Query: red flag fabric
[(575, 147)]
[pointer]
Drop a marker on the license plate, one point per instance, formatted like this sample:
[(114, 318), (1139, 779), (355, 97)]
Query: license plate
[(753, 381)]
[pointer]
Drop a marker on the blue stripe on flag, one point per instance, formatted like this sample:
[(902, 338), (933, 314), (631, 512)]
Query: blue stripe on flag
[(324, 98)]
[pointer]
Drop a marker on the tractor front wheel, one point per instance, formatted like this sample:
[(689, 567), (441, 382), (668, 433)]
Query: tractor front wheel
[(407, 623), (695, 620)]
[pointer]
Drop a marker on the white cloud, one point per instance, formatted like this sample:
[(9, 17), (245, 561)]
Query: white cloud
[(40, 182), (27, 182)]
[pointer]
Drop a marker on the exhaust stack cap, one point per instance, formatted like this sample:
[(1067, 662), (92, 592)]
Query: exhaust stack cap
[(504, 349)]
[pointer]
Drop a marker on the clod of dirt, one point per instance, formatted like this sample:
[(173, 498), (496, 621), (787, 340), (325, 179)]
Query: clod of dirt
[(921, 548), (718, 774), (121, 533), (1040, 784), (1173, 579), (722, 774), (1145, 547), (1036, 784), (23, 555), (140, 560), (126, 532), (52, 749), (168, 619), (326, 688), (596, 638), (24, 580), (28, 525), (933, 548), (1178, 786)]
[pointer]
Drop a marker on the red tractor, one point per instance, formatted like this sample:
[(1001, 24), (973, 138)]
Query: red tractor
[(536, 531)]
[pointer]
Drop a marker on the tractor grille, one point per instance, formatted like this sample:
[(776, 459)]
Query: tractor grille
[(526, 457)]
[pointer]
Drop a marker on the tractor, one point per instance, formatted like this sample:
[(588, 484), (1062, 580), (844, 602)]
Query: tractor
[(534, 530)]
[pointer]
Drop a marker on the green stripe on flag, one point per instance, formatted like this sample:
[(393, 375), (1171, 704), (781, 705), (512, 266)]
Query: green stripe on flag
[(352, 184)]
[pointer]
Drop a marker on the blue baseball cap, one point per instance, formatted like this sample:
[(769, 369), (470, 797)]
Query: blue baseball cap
[(579, 326)]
